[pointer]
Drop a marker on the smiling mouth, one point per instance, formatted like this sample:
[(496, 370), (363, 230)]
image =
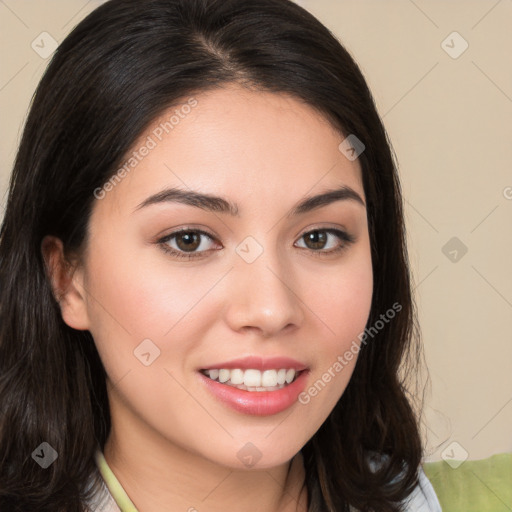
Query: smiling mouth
[(252, 379)]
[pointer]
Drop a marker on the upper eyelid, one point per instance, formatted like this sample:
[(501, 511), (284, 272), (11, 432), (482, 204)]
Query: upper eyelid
[(187, 230), (214, 237)]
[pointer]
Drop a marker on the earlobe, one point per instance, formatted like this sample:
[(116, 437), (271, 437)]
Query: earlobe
[(67, 283)]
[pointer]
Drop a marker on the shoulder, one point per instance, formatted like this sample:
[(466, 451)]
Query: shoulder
[(423, 497), (102, 500)]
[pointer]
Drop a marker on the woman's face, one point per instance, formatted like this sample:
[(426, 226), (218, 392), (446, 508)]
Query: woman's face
[(272, 282)]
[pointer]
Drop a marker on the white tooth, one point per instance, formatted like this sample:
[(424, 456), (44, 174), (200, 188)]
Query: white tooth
[(290, 374), (281, 376), (252, 378), (224, 375), (237, 376), (269, 378), (214, 374)]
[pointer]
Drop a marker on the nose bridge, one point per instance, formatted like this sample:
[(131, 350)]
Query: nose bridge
[(263, 292)]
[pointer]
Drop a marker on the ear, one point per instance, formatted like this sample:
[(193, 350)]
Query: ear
[(67, 283)]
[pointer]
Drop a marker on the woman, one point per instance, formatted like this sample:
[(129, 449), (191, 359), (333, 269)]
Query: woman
[(205, 293)]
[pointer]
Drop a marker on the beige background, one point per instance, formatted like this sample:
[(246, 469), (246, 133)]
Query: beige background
[(449, 120)]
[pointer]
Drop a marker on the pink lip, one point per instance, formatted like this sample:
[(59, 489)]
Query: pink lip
[(258, 403), (258, 363)]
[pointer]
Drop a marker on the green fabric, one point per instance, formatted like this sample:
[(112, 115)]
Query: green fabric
[(118, 493), (475, 485)]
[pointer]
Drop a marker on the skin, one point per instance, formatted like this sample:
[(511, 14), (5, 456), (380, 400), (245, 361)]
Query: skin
[(173, 445)]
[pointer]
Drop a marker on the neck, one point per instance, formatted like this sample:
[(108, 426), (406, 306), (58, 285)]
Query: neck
[(161, 476)]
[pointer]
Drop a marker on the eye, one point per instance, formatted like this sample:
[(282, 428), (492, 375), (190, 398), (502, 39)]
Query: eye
[(187, 241), (317, 239)]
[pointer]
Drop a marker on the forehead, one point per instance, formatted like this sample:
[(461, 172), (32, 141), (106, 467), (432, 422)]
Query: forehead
[(237, 142)]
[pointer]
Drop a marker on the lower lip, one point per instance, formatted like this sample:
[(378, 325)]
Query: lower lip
[(258, 403)]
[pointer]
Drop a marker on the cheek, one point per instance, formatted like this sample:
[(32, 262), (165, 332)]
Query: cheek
[(345, 298), (135, 296), (137, 291), (346, 303), (342, 302)]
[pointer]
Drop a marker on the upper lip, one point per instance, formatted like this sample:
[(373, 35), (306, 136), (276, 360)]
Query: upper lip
[(258, 363)]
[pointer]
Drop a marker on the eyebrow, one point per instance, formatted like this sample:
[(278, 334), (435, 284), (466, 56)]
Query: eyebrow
[(219, 204)]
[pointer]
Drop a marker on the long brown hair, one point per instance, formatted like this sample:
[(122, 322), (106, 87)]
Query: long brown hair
[(120, 68)]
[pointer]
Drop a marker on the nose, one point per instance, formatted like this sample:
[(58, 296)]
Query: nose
[(264, 296)]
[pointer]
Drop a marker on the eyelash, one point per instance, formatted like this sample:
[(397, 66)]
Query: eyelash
[(342, 235)]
